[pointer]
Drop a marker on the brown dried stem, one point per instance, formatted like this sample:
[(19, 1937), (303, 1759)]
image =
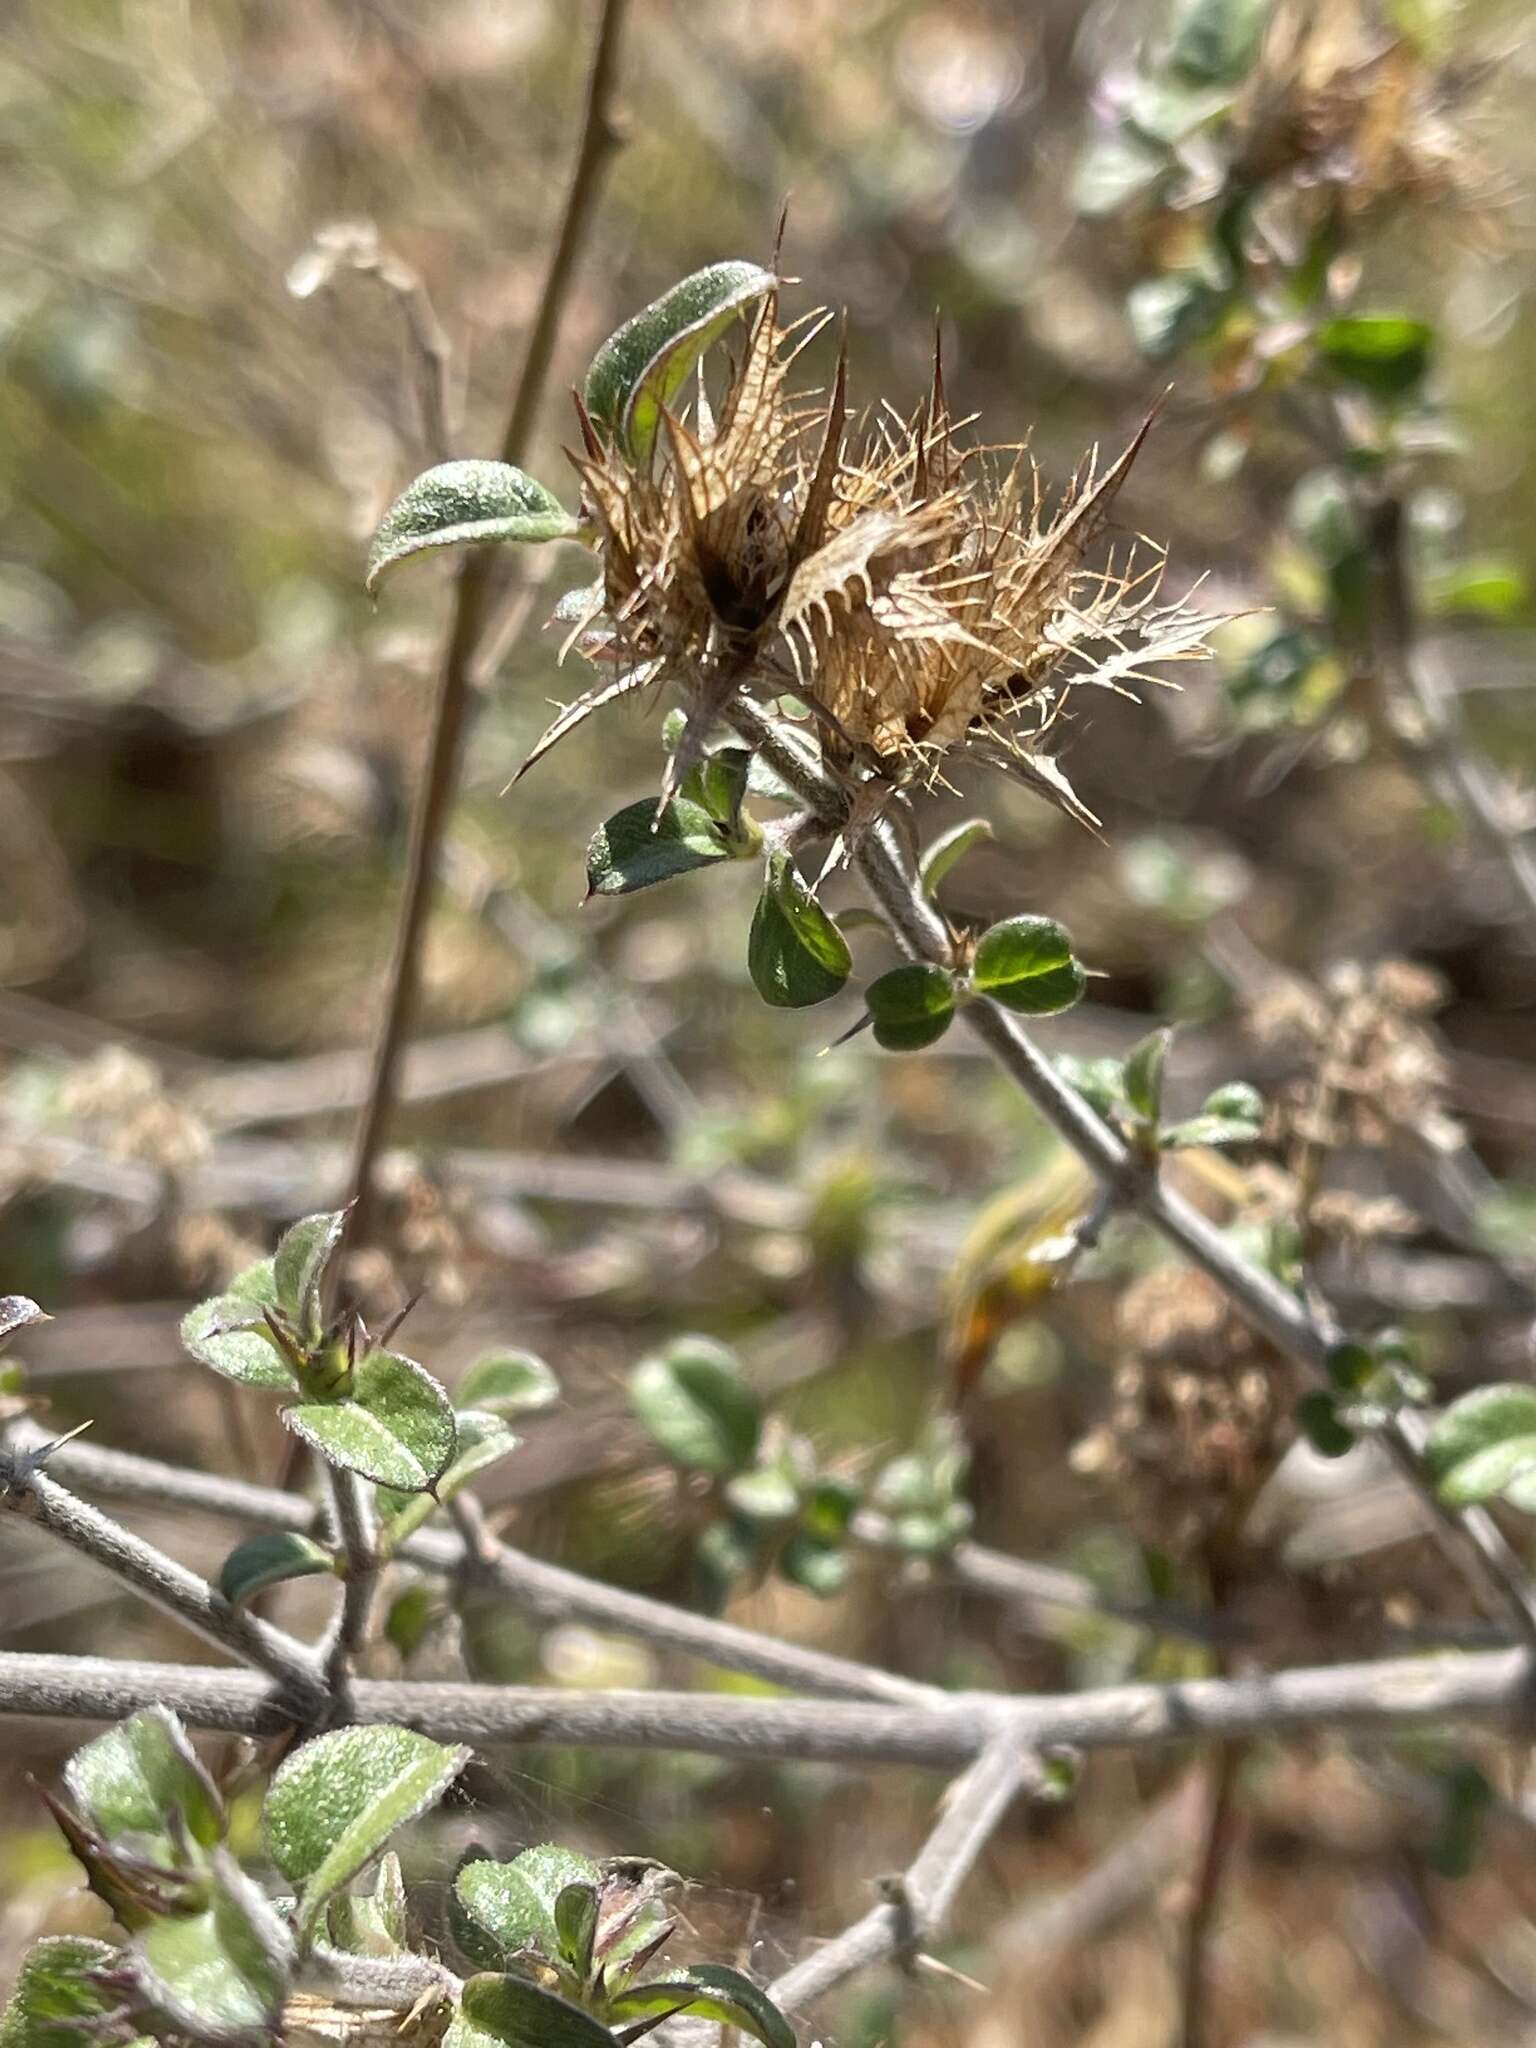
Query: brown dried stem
[(473, 591)]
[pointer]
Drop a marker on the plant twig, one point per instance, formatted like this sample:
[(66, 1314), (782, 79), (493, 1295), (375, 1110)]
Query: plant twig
[(357, 1532), (473, 588), (544, 1589), (1302, 1332), (41, 1501), (1410, 678), (397, 1981), (1218, 1834), (923, 1898), (1390, 1694)]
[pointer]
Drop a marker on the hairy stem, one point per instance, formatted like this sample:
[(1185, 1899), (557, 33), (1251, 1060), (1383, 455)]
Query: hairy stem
[(1391, 1694), (398, 1981), (357, 1532), (543, 1589), (919, 1903), (1217, 1838), (29, 1493)]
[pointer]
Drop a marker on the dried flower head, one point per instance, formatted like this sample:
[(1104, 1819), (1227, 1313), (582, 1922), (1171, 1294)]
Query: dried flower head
[(1371, 1072), (1343, 97), (916, 593), (1202, 1412)]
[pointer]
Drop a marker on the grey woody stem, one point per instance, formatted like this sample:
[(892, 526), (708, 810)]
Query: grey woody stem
[(1302, 1332), (397, 1981), (1494, 1687), (30, 1493), (357, 1533), (920, 1902), (544, 1589)]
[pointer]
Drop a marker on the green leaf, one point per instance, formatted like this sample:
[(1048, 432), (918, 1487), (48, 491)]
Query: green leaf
[(1351, 1366), (299, 1266), (1485, 1420), (820, 1568), (518, 2014), (514, 1903), (1490, 1472), (635, 849), (54, 1994), (228, 1334), (508, 1382), (1317, 1417), (950, 848), (333, 1805), (644, 365), (1144, 1074), (911, 1006), (1101, 1083), (1216, 42), (709, 1991), (219, 1975), (576, 1925), (371, 1925), (463, 503), (796, 954), (1026, 964), (767, 1494), (270, 1559), (256, 1283), (1230, 1115), (1386, 355), (136, 1777), (720, 783), (692, 1399), (396, 1428), (483, 1440)]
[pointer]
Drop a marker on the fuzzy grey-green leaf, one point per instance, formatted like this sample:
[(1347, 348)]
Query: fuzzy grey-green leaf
[(54, 1999), (514, 1903), (693, 1400), (332, 1807), (483, 1440), (228, 1334), (219, 1975), (642, 366), (507, 1383), (396, 1428), (461, 504), (139, 1775)]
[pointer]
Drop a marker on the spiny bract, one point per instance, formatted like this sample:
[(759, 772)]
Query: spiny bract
[(915, 593)]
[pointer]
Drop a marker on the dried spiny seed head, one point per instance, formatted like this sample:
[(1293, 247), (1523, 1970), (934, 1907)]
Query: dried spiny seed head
[(1343, 98), (1201, 1413), (1371, 1072), (918, 595)]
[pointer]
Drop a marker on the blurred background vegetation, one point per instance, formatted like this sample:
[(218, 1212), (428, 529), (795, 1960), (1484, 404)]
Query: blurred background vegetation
[(225, 230)]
